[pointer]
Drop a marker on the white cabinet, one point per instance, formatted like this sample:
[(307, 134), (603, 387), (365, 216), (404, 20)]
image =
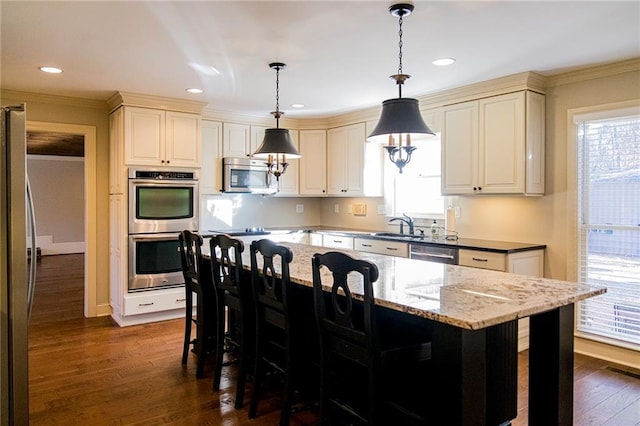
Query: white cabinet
[(155, 137), (315, 239), (354, 167), (241, 140), (337, 241), (390, 248), (494, 145), (313, 164), (530, 262), (211, 172), (117, 172), (289, 181)]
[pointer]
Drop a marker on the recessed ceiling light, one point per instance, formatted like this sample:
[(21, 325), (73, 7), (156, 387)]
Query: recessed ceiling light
[(194, 90), (297, 105), (443, 62), (50, 70)]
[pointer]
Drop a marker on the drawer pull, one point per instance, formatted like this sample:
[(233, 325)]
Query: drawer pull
[(145, 304), (181, 300), (477, 259), (337, 241), (392, 248), (366, 245)]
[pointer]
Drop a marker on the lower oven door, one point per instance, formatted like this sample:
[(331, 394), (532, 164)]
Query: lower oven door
[(154, 261)]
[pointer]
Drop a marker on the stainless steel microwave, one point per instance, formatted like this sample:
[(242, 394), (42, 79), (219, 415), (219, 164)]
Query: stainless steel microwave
[(245, 175)]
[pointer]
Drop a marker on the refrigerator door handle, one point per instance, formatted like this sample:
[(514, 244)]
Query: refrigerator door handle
[(32, 266)]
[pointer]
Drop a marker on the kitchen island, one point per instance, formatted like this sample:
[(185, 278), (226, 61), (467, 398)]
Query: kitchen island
[(472, 316)]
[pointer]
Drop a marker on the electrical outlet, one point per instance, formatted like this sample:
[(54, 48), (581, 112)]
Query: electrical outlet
[(457, 212), (381, 209), (299, 208), (336, 208), (349, 209)]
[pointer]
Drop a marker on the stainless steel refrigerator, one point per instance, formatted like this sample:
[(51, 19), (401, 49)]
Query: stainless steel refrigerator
[(17, 234)]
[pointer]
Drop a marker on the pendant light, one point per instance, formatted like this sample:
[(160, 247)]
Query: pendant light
[(400, 120), (277, 146)]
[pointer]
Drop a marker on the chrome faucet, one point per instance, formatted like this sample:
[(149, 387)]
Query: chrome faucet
[(404, 219)]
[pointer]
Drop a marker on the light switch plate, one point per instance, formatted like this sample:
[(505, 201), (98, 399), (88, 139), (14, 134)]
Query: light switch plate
[(336, 208), (299, 208), (382, 209)]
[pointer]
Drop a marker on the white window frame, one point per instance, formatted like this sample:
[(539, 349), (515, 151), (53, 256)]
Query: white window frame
[(575, 116)]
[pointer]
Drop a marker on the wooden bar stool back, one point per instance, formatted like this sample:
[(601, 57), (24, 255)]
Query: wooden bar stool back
[(197, 280), (234, 308), (356, 366), (273, 331)]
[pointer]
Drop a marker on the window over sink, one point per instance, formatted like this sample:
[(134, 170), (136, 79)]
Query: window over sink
[(417, 192)]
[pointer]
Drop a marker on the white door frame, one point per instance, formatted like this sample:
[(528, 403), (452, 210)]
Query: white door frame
[(90, 204)]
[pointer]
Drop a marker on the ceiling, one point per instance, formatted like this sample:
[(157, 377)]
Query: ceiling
[(338, 54)]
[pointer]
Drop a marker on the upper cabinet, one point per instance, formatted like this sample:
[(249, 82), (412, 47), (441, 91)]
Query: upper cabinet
[(211, 173), (494, 145), (154, 137), (354, 167), (241, 140), (289, 182), (313, 164)]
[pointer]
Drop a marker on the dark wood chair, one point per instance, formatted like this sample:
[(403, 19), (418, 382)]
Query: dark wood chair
[(273, 330), (357, 369), (234, 311), (197, 280)]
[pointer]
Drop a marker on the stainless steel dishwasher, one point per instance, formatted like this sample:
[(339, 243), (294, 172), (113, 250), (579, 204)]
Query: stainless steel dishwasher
[(434, 253)]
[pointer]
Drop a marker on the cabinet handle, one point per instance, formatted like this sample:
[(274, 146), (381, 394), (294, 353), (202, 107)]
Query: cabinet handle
[(337, 241), (477, 259), (366, 245), (479, 188), (392, 248), (181, 300), (162, 161), (145, 304), (168, 161)]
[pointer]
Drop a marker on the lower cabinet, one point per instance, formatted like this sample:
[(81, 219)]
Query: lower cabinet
[(146, 302), (390, 248), (529, 262), (337, 241)]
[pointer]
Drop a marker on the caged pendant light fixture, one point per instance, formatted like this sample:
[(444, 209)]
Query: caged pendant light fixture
[(400, 119), (277, 146)]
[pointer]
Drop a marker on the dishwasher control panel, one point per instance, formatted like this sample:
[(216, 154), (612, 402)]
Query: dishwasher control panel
[(437, 254)]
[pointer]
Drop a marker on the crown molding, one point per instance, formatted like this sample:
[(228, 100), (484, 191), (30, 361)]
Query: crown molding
[(53, 99), (158, 102), (285, 122), (590, 73)]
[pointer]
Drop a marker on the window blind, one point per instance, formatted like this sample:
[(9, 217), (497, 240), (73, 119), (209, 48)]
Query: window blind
[(609, 227)]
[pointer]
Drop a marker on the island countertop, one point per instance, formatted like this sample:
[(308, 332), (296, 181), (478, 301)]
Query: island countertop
[(460, 296)]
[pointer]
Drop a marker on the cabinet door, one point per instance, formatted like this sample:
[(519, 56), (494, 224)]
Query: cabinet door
[(337, 161), (236, 140), (257, 136), (345, 165), (501, 144), (313, 164), (182, 139), (460, 148), (534, 145), (289, 180), (117, 172), (211, 173), (144, 132)]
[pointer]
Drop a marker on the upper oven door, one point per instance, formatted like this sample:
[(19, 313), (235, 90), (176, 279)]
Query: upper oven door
[(162, 206)]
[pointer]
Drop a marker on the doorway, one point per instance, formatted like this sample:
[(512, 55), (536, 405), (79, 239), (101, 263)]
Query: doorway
[(88, 133)]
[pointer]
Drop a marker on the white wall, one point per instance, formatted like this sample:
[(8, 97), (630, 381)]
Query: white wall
[(57, 185)]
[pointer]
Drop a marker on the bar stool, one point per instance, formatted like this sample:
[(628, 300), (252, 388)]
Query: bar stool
[(356, 369), (273, 331), (197, 280), (233, 308)]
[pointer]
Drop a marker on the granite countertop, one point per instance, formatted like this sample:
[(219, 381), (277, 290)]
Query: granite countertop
[(463, 297)]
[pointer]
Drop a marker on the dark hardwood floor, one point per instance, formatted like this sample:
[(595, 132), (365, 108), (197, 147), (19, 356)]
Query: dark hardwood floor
[(92, 372)]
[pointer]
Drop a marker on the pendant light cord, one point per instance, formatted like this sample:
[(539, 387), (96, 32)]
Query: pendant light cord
[(400, 54), (277, 114)]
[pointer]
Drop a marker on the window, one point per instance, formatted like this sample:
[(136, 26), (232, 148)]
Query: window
[(608, 166), (417, 190)]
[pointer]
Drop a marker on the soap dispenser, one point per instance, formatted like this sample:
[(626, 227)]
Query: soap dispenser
[(434, 230)]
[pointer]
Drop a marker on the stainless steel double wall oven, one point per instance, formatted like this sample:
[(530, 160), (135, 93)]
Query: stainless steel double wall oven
[(162, 203)]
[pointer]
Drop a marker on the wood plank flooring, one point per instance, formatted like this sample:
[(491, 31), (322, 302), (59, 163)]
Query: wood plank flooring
[(92, 372)]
